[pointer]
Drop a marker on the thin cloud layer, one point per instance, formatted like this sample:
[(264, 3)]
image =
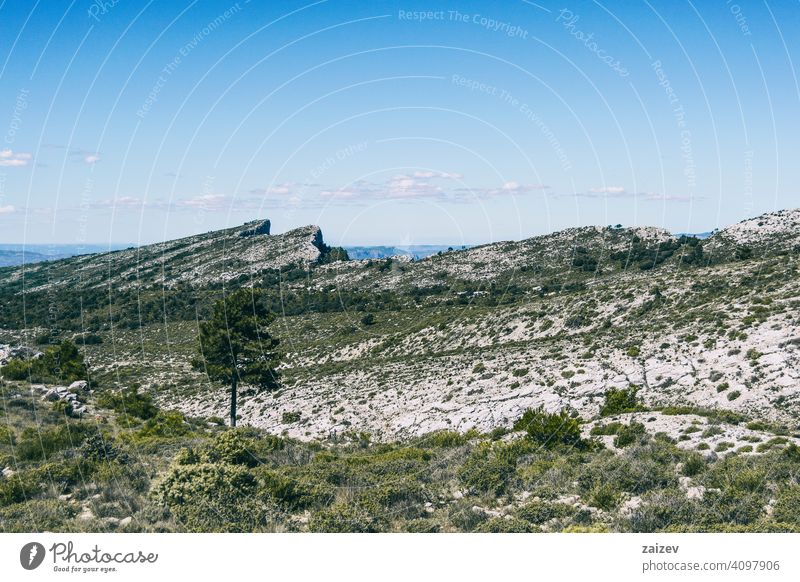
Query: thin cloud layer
[(12, 159)]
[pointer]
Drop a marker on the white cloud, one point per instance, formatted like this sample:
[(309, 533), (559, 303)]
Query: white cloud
[(620, 192), (442, 175), (613, 190), (7, 210), (128, 201), (285, 189), (342, 193), (510, 187), (405, 186), (668, 197), (120, 202), (206, 201), (91, 158), (11, 159)]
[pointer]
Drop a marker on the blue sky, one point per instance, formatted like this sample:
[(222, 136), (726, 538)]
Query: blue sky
[(392, 122)]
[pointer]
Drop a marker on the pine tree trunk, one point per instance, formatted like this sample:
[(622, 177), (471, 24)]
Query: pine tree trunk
[(233, 401)]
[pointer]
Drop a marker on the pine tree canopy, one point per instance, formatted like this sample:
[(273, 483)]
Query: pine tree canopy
[(235, 345)]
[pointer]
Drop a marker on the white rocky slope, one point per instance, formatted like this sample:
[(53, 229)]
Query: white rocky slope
[(738, 353), (773, 231)]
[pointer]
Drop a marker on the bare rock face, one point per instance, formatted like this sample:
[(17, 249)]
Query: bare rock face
[(257, 228)]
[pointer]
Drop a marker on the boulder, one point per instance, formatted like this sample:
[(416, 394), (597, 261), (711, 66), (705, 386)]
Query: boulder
[(51, 395), (79, 386)]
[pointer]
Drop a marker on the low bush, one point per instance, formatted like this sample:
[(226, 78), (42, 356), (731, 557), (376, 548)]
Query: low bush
[(787, 505), (629, 434), (129, 401), (539, 512), (213, 497), (164, 424), (230, 447), (694, 464), (490, 467), (17, 370), (39, 444), (551, 429), (345, 519), (503, 525), (618, 401)]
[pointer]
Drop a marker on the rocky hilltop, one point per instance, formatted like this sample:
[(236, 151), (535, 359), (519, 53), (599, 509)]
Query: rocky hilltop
[(199, 260), (768, 233)]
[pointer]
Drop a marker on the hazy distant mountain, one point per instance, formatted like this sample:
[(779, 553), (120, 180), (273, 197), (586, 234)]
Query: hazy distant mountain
[(17, 254), (413, 251)]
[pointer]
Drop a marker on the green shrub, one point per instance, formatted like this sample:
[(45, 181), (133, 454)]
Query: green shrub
[(29, 483), (296, 493), (98, 448), (787, 505), (17, 370), (35, 445), (611, 428), (490, 467), (290, 417), (605, 496), (63, 363), (694, 464), (712, 430), (538, 512), (629, 434), (129, 401), (730, 506), (792, 453), (463, 517), (343, 518), (7, 436), (422, 525), (660, 510), (620, 400), (164, 424), (549, 429), (37, 515), (503, 525), (88, 339), (636, 470), (213, 497), (229, 447), (734, 395)]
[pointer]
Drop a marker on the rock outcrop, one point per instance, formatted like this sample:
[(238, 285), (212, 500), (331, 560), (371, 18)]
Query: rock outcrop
[(256, 228)]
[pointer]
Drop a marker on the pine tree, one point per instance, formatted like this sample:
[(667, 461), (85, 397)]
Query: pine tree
[(235, 346)]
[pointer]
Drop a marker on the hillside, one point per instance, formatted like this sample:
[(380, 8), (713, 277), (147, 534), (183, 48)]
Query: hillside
[(463, 339), (593, 379)]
